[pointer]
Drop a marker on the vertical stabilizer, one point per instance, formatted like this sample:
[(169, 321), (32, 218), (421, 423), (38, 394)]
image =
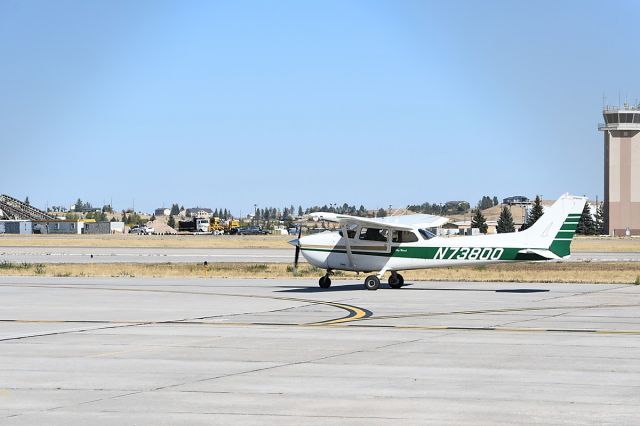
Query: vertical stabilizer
[(556, 227)]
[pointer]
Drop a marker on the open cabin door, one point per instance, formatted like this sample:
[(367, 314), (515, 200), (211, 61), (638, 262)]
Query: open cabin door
[(371, 240)]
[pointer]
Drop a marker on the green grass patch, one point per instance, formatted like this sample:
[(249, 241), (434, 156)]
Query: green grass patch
[(10, 265)]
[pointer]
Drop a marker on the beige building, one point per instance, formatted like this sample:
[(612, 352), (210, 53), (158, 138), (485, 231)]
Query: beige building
[(621, 170)]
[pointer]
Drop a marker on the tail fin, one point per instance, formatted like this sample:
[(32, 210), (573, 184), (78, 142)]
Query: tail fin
[(556, 227)]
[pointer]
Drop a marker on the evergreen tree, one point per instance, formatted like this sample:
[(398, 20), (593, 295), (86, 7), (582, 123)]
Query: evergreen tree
[(113, 219), (479, 221), (485, 203), (505, 222), (153, 218), (171, 222), (586, 225), (300, 213), (78, 205), (599, 220), (26, 201), (381, 213), (175, 210), (495, 201), (535, 214)]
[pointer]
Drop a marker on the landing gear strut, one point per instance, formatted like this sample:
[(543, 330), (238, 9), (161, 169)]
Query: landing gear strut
[(396, 280)]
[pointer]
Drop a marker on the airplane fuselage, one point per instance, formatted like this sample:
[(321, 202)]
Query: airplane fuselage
[(328, 251)]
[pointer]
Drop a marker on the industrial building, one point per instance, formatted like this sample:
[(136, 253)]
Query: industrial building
[(23, 227), (17, 217), (621, 130)]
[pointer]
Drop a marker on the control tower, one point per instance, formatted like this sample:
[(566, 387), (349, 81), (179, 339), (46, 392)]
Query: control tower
[(621, 170)]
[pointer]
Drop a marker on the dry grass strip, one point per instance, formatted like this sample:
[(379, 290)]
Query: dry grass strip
[(556, 272)]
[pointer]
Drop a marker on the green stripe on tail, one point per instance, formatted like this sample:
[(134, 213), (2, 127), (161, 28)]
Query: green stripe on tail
[(561, 245)]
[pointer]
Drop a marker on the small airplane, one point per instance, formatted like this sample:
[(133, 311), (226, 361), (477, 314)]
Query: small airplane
[(400, 243)]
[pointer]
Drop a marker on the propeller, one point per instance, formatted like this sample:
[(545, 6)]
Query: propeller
[(297, 244)]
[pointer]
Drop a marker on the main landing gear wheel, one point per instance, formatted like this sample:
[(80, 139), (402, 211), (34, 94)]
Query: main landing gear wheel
[(325, 282), (372, 282), (396, 281)]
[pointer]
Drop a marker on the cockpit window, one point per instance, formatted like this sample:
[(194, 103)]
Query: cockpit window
[(426, 234), (404, 237), (373, 234)]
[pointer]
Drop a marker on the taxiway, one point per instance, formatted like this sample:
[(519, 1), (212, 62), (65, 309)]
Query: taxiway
[(196, 351)]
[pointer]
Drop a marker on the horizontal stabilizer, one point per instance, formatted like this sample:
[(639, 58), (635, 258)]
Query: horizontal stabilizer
[(546, 254)]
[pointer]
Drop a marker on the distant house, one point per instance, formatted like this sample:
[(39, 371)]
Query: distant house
[(162, 212), (516, 199), (463, 227), (200, 212)]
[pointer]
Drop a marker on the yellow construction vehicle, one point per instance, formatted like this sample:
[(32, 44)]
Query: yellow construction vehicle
[(215, 226), (232, 225)]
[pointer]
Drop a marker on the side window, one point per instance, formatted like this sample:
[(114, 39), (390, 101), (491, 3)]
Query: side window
[(404, 237), (373, 234), (409, 237)]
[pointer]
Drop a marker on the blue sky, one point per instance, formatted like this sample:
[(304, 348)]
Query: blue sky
[(227, 104)]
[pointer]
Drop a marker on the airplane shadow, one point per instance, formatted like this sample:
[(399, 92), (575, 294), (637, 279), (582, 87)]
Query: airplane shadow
[(406, 287), (316, 289)]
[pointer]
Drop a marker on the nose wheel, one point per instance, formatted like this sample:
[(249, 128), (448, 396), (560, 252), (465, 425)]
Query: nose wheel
[(372, 282)]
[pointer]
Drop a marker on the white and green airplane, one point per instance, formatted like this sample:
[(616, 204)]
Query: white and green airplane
[(401, 243)]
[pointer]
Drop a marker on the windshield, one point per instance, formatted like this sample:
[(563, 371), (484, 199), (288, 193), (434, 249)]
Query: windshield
[(426, 234)]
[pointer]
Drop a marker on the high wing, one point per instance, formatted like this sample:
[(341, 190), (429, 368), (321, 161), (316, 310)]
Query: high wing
[(404, 222)]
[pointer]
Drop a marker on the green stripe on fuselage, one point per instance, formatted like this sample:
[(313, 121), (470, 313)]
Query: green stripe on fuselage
[(447, 253)]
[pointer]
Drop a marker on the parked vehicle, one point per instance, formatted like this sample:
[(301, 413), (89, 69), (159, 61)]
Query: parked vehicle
[(196, 224), (251, 230), (141, 230), (219, 226)]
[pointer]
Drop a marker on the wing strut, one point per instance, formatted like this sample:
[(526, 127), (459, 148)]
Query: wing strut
[(345, 235)]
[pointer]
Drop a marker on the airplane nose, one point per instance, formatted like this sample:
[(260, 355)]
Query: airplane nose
[(295, 243)]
